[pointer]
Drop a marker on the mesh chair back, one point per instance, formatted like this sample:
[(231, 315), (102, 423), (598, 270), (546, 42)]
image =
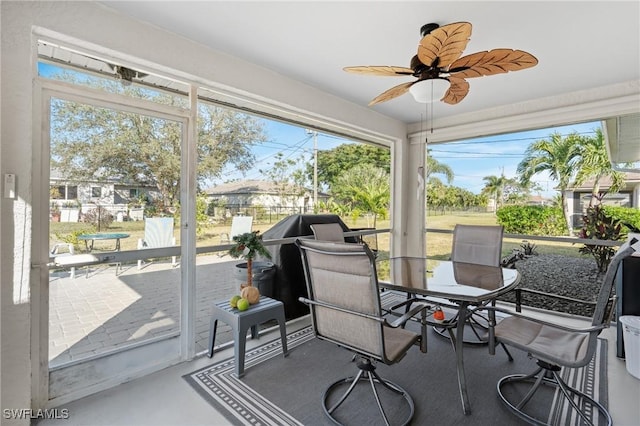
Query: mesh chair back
[(328, 232), (480, 245), (604, 306), (344, 275)]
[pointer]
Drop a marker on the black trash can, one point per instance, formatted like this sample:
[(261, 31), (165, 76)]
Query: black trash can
[(262, 276)]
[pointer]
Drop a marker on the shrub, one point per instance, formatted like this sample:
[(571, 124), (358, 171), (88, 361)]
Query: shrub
[(72, 236), (98, 217), (532, 220), (528, 248), (598, 225), (628, 217)]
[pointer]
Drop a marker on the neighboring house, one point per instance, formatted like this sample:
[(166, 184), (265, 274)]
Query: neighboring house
[(539, 200), (258, 193), (74, 198), (580, 196)]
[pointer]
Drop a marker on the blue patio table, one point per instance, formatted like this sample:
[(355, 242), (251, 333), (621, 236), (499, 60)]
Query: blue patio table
[(89, 239)]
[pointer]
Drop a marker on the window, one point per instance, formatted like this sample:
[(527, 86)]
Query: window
[(72, 193), (96, 192), (62, 192), (56, 192), (133, 193)]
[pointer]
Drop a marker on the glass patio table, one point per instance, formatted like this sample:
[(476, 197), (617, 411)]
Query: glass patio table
[(464, 284)]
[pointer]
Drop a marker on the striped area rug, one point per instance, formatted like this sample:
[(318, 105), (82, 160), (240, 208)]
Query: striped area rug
[(277, 390)]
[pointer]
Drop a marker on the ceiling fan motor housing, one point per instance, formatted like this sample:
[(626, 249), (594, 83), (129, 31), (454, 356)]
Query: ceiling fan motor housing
[(427, 28)]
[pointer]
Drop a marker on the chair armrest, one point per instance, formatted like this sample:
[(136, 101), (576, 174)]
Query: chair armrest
[(402, 320), (519, 292), (395, 324), (539, 321)]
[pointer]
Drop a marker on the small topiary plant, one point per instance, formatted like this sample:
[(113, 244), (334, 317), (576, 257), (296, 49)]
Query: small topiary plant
[(248, 246)]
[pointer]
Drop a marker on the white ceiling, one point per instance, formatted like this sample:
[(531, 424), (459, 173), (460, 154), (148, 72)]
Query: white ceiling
[(579, 44)]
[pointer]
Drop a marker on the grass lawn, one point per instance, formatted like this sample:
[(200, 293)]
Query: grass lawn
[(438, 245), (208, 235)]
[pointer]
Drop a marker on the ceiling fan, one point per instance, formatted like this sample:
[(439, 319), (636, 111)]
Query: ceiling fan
[(438, 59)]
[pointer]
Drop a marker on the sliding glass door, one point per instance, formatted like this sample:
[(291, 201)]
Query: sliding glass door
[(114, 176)]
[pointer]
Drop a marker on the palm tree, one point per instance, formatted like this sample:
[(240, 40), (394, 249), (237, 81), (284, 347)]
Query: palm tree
[(366, 188), (558, 157), (436, 167), (494, 187), (594, 164)]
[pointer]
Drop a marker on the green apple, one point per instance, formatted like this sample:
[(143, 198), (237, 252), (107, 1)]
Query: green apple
[(243, 304), (234, 301)]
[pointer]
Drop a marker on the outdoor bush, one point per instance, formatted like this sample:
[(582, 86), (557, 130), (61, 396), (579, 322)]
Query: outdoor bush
[(628, 217), (98, 217), (532, 220), (72, 236), (598, 225), (528, 248)]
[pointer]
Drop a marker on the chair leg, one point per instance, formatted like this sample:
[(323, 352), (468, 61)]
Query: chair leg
[(366, 373), (548, 375)]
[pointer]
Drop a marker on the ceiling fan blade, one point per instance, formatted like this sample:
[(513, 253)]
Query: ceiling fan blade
[(458, 89), (496, 61), (385, 71), (394, 92), (445, 43)]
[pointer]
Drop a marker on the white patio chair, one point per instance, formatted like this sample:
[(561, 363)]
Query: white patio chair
[(239, 225), (57, 253), (158, 232)]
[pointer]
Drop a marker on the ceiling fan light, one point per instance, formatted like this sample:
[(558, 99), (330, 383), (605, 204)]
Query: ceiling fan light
[(428, 91)]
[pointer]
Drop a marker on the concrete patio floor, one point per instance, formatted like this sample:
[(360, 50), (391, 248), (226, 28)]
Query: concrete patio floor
[(94, 314)]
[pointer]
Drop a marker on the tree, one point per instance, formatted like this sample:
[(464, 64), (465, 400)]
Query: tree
[(436, 167), (556, 156), (504, 190), (287, 178), (366, 188), (494, 187), (593, 163), (441, 196), (332, 163), (90, 142)]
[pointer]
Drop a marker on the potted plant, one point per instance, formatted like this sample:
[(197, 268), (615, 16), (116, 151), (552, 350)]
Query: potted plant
[(55, 212), (247, 246)]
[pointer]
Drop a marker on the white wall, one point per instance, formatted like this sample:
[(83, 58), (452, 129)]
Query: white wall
[(95, 27)]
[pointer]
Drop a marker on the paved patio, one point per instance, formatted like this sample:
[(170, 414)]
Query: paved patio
[(93, 315)]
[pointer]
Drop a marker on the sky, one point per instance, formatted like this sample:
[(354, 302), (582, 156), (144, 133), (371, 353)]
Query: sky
[(471, 160)]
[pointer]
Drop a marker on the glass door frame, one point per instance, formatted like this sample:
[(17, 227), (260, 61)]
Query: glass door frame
[(51, 387)]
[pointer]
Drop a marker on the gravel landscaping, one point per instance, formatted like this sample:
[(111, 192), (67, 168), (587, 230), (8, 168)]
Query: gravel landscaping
[(573, 277)]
